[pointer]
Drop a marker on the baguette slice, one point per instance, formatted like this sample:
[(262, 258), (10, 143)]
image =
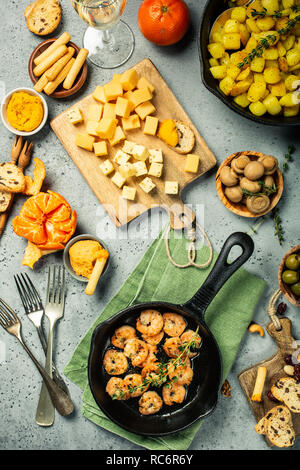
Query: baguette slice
[(43, 16), (12, 179), (277, 426), (287, 390), (5, 199), (186, 138)]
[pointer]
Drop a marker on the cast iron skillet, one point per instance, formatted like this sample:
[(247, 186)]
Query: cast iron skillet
[(212, 10), (203, 392)]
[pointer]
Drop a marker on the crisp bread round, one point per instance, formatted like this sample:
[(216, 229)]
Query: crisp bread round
[(44, 16)]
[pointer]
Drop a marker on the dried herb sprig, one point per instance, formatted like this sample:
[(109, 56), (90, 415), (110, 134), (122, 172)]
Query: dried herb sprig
[(288, 157), (264, 13), (266, 190), (279, 232)]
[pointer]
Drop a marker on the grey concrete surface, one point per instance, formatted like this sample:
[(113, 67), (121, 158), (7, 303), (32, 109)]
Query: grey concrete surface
[(231, 425)]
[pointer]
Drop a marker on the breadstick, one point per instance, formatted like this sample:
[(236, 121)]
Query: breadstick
[(259, 384), (63, 39), (51, 86), (79, 61), (46, 64), (41, 83), (97, 271), (54, 70)]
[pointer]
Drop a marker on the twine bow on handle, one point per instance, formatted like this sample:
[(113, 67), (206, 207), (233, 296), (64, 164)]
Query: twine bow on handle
[(272, 310)]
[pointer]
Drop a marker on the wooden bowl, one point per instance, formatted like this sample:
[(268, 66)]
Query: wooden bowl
[(288, 294), (60, 92), (241, 209)]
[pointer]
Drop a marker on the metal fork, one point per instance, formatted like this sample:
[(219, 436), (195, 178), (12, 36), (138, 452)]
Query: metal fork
[(11, 323), (54, 309), (34, 310)]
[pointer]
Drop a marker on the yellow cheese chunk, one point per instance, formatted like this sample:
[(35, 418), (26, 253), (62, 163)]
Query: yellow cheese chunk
[(192, 163), (117, 77), (130, 123), (85, 141), (144, 83), (95, 112), (100, 148), (91, 128), (106, 167), (140, 96), (106, 128), (129, 193), (117, 137), (109, 110), (144, 109), (99, 95), (150, 127), (112, 90), (129, 80), (118, 179), (75, 116), (123, 107)]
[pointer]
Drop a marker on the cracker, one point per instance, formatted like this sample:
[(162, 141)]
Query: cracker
[(44, 16)]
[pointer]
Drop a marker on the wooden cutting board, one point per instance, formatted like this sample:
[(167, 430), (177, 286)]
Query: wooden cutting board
[(284, 342), (120, 210)]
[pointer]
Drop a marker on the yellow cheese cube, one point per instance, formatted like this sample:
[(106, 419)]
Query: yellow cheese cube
[(117, 137), (151, 124), (140, 153), (123, 107), (121, 157), (109, 110), (112, 90), (156, 156), (118, 179), (132, 122), (117, 77), (129, 193), (106, 128), (106, 167), (75, 116), (147, 185), (171, 187), (85, 141), (140, 96), (129, 79), (128, 147), (100, 148), (192, 163), (155, 169), (144, 83), (95, 112), (127, 170), (145, 109), (140, 168), (91, 128), (99, 95)]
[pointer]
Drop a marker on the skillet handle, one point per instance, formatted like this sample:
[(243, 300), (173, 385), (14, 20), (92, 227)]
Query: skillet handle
[(221, 272)]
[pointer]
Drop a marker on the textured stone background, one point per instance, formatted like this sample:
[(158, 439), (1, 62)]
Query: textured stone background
[(231, 425)]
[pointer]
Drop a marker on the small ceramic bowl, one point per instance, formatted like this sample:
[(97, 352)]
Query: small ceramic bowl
[(66, 256), (5, 102), (284, 287), (60, 92), (241, 209)]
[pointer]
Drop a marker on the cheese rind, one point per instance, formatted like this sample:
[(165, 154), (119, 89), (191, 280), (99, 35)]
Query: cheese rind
[(147, 185), (150, 127), (100, 148), (106, 167), (75, 115), (129, 193), (85, 141), (171, 187), (192, 163)]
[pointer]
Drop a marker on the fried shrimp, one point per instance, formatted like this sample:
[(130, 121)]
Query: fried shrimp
[(150, 403), (181, 374), (171, 346), (136, 350), (173, 393), (174, 324), (187, 337), (154, 340), (115, 387), (150, 322), (115, 362), (121, 335), (134, 385)]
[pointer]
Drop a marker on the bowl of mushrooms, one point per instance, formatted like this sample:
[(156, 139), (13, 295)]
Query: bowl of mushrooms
[(249, 183)]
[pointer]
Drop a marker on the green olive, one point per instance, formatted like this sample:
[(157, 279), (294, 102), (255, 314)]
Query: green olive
[(293, 262), (295, 288), (290, 277)]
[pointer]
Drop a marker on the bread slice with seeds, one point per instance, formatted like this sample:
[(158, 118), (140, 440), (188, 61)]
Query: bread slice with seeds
[(43, 16), (5, 200), (277, 426), (12, 179), (186, 138), (287, 390)]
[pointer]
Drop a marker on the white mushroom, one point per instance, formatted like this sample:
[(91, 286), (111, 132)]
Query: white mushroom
[(258, 204), (228, 177), (269, 181), (234, 193), (238, 164), (254, 170), (270, 164), (251, 186)]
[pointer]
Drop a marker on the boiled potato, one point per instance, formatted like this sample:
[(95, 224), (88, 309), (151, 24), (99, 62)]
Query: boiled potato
[(257, 64), (218, 71), (231, 41), (272, 75), (258, 108), (242, 100), (272, 105), (256, 92), (239, 14), (216, 50), (291, 111)]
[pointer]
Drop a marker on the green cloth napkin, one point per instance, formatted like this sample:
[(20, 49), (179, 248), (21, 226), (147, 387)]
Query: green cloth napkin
[(155, 278)]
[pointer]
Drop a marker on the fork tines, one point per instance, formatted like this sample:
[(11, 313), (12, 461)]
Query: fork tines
[(56, 285), (28, 293), (7, 316)]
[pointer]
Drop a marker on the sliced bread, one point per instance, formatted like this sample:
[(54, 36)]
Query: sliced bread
[(186, 138), (12, 179), (43, 16), (287, 390), (277, 426), (5, 200)]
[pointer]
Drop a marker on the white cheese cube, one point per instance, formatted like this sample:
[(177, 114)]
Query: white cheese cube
[(147, 185), (127, 170), (140, 168), (171, 187), (106, 167), (128, 147), (129, 193), (155, 169), (118, 179), (75, 115), (156, 156), (140, 153), (121, 157)]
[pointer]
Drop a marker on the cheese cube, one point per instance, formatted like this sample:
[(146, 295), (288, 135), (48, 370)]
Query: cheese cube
[(144, 83), (130, 123), (140, 96), (140, 153), (155, 169), (156, 156), (106, 167), (121, 157), (192, 163), (117, 137), (107, 128), (144, 109), (147, 185), (109, 110), (99, 95), (128, 147), (129, 79), (117, 77), (127, 95), (91, 128), (140, 168), (75, 116), (123, 107), (95, 112), (118, 179), (129, 193), (112, 90), (171, 187), (85, 141), (150, 126), (100, 148), (127, 170)]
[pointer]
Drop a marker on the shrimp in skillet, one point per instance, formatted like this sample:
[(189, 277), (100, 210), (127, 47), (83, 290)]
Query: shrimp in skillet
[(190, 335), (172, 346), (173, 393), (150, 403), (154, 340), (115, 387), (115, 362), (181, 374), (136, 350), (134, 385), (121, 335), (174, 324), (150, 322)]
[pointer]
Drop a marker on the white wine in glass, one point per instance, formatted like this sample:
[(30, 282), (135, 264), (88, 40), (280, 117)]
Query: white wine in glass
[(109, 40)]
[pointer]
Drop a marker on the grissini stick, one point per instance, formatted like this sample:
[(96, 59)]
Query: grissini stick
[(50, 60), (51, 86), (62, 40), (57, 67), (97, 271), (79, 61), (41, 83)]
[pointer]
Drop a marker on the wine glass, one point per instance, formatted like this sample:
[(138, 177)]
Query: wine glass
[(109, 40)]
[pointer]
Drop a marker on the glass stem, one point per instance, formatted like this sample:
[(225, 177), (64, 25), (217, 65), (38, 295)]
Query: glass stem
[(108, 38)]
